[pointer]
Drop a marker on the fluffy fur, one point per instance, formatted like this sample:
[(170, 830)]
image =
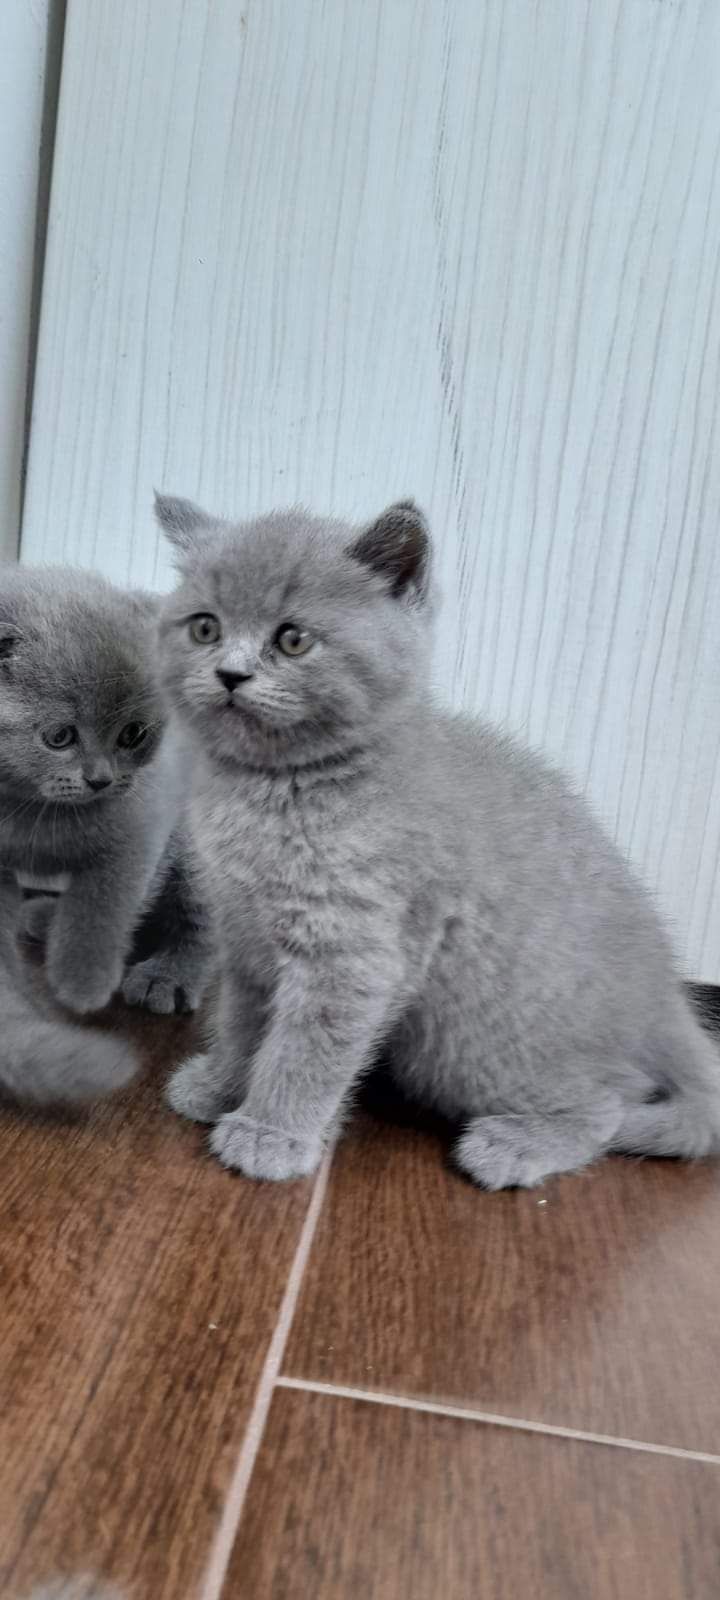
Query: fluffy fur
[(89, 811), (390, 875)]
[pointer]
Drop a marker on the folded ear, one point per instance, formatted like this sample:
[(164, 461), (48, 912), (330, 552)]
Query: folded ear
[(183, 522), (397, 546)]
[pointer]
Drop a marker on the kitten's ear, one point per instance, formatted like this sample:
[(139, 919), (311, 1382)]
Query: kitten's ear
[(183, 522), (397, 546)]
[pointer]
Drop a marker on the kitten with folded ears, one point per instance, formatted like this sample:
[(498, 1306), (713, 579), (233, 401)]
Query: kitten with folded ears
[(90, 828), (388, 875)]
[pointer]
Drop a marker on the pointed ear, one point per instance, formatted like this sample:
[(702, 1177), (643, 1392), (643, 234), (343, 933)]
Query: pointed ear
[(398, 548), (183, 522)]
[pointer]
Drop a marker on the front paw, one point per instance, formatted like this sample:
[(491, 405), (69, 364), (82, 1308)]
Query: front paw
[(263, 1152), (79, 984), (193, 1091), (36, 917), (163, 984)]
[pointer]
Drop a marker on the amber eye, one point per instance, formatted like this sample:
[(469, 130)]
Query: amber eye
[(132, 736), (60, 738), (204, 629), (293, 641)]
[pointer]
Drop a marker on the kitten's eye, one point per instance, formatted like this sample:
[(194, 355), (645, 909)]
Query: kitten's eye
[(132, 736), (60, 738), (293, 641), (204, 629)]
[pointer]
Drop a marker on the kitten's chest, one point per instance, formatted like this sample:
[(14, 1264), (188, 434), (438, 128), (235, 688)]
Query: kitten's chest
[(272, 855), (258, 838)]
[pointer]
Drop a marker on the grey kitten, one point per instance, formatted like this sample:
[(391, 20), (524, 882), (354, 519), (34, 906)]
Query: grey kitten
[(389, 875), (90, 804)]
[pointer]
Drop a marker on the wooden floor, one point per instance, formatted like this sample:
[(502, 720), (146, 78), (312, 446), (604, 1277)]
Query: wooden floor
[(380, 1385)]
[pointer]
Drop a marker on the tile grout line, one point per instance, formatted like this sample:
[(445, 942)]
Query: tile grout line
[(221, 1549), (435, 1408)]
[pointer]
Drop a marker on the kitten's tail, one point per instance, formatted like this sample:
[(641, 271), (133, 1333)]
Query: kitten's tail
[(47, 1061), (684, 1120)]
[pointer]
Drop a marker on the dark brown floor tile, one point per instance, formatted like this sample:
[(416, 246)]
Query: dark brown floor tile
[(593, 1303), (139, 1285), (351, 1501)]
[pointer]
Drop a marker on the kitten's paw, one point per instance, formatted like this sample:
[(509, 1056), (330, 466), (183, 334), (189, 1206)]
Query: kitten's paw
[(163, 984), (193, 1093), (80, 989), (497, 1153), (36, 915), (262, 1152)]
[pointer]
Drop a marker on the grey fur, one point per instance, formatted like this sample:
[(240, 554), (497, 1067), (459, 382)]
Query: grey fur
[(75, 651), (45, 1058), (389, 875)]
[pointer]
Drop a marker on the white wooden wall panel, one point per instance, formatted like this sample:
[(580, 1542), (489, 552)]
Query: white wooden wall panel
[(23, 52), (468, 249)]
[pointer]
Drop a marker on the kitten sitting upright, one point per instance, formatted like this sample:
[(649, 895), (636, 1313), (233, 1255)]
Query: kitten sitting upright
[(89, 805), (388, 874)]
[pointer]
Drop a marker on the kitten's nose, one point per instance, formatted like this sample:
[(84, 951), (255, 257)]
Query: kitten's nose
[(230, 680), (99, 775)]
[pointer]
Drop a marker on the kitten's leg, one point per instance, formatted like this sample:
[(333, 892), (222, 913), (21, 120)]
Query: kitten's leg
[(174, 976), (519, 1150), (207, 1085), (677, 1125), (36, 915), (91, 932), (326, 1020), (682, 1116)]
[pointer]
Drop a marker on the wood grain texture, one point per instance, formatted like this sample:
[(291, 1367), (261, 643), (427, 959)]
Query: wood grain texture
[(592, 1304), (469, 251), (140, 1287), (360, 1502)]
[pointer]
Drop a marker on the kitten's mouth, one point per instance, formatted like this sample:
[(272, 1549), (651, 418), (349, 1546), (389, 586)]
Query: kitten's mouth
[(239, 708), (255, 722), (80, 799)]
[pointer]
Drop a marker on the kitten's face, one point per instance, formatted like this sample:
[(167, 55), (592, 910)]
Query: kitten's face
[(79, 714), (283, 643)]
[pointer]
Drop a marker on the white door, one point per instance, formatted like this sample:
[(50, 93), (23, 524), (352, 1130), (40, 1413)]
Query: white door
[(30, 42), (469, 250)]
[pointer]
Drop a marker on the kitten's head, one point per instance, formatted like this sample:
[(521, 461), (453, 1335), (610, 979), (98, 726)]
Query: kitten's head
[(290, 637), (80, 714)]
